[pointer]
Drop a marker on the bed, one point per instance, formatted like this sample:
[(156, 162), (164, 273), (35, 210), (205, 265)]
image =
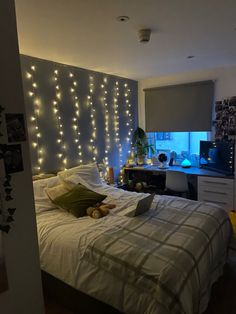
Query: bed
[(164, 261)]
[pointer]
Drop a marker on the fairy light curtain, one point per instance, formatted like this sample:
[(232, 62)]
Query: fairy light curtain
[(77, 116)]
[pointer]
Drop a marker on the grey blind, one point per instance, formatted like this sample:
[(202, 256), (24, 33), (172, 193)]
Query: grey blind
[(179, 108)]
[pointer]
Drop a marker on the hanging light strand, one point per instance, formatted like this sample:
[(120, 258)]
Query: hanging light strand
[(92, 141), (35, 117), (129, 123), (106, 117), (117, 123), (56, 104), (75, 119)]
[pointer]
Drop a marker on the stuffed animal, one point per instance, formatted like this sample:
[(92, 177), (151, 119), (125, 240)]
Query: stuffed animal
[(99, 210)]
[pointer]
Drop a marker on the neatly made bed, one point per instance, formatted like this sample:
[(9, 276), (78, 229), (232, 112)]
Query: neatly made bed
[(164, 261)]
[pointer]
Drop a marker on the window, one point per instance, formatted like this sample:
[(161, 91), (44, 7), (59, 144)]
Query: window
[(184, 144)]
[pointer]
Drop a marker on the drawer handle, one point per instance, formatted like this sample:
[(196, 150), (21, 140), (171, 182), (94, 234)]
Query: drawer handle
[(222, 203), (213, 182), (214, 192)]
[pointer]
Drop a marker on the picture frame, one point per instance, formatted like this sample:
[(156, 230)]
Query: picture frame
[(15, 127), (12, 156)]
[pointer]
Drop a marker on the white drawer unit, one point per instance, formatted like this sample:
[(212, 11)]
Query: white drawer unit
[(216, 190)]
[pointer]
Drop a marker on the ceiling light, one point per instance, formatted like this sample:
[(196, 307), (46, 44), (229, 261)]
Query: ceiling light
[(122, 18)]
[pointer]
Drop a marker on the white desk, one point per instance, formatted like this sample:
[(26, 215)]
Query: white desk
[(211, 186), (191, 171)]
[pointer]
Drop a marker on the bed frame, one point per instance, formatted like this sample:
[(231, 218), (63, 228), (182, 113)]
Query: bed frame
[(73, 299)]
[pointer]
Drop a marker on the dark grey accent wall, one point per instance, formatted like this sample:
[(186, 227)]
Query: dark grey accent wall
[(76, 115)]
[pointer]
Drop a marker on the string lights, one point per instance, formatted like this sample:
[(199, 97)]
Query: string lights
[(117, 124), (56, 102), (33, 94), (106, 116), (120, 108), (92, 141), (75, 119), (129, 123)]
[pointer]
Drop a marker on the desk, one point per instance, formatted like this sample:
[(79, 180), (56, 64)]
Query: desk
[(189, 171), (205, 185)]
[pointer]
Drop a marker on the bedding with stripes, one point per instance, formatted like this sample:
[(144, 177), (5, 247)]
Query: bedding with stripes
[(164, 261)]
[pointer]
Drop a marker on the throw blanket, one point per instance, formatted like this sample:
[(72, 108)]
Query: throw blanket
[(164, 261)]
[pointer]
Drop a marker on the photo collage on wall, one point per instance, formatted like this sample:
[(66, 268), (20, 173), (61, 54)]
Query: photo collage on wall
[(225, 120), (11, 161), (11, 153)]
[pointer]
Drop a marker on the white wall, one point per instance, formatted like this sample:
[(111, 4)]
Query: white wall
[(225, 84), (20, 245)]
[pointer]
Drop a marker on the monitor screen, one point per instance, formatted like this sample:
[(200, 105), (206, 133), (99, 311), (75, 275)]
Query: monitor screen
[(217, 156)]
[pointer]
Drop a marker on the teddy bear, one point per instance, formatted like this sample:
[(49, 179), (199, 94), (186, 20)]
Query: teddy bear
[(99, 210)]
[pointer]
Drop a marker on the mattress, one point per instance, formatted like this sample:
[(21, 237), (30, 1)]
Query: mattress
[(164, 261)]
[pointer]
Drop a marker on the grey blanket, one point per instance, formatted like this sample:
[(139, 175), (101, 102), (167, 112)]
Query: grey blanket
[(171, 255)]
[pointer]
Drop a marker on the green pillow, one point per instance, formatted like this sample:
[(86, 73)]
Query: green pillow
[(78, 199)]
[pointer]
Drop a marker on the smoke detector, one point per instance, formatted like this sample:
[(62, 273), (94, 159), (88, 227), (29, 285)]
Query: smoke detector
[(144, 35)]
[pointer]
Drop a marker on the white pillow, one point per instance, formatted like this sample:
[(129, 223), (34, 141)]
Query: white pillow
[(66, 173), (87, 175), (40, 185), (56, 191), (42, 202), (43, 176)]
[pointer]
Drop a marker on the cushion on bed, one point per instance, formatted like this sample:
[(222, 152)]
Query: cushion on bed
[(43, 176), (87, 175), (40, 185), (78, 199), (68, 172), (42, 202), (55, 191)]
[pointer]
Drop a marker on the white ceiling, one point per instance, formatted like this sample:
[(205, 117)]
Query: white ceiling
[(85, 33)]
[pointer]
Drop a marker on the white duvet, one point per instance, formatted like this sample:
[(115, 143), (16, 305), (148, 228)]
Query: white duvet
[(63, 240)]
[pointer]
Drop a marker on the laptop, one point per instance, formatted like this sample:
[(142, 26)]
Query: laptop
[(142, 206)]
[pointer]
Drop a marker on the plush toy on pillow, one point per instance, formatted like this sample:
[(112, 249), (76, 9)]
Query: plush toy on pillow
[(99, 210)]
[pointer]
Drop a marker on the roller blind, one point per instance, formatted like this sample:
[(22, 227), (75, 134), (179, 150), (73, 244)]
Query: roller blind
[(179, 108)]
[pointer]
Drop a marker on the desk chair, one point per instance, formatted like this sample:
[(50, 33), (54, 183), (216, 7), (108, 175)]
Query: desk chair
[(177, 183)]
